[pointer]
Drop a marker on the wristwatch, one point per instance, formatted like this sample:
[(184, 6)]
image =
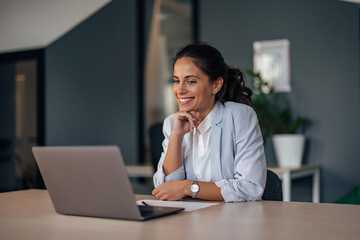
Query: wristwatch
[(194, 188)]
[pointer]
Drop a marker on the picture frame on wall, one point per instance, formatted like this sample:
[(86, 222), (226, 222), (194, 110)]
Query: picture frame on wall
[(272, 60)]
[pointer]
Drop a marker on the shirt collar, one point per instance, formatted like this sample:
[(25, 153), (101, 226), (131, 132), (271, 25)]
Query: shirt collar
[(205, 124)]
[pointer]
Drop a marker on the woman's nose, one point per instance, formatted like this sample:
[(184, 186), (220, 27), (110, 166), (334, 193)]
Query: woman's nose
[(181, 88)]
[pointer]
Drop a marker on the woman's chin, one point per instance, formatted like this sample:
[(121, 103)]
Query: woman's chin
[(185, 109)]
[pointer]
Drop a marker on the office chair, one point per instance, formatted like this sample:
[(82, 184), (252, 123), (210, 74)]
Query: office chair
[(273, 189), (272, 192), (156, 138)]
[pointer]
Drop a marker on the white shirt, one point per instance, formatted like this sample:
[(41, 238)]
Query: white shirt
[(202, 150)]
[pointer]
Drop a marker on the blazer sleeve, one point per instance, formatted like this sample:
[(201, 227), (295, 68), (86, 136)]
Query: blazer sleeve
[(248, 182), (160, 177)]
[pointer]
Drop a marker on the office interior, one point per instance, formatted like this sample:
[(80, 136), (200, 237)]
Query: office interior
[(88, 85)]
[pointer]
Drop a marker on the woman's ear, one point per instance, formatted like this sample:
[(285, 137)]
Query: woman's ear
[(217, 85)]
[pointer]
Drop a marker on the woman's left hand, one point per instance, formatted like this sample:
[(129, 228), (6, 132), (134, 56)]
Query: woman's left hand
[(173, 190)]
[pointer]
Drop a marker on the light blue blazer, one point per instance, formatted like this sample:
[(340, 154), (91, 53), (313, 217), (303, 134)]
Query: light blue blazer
[(238, 164)]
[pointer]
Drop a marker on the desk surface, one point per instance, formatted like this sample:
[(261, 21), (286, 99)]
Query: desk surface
[(29, 215)]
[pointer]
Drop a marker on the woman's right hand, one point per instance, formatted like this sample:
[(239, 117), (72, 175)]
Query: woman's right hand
[(185, 122)]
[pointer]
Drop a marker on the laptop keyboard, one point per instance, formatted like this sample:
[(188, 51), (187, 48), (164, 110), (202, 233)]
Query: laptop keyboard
[(146, 210)]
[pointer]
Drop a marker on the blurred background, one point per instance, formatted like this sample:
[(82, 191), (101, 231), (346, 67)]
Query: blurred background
[(97, 72)]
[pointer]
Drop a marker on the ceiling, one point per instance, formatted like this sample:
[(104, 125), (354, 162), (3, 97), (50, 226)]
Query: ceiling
[(32, 24)]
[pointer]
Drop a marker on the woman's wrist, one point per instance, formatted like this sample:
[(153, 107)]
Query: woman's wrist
[(187, 186), (176, 137)]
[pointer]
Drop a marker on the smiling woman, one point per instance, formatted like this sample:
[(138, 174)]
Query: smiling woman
[(213, 146), (192, 88)]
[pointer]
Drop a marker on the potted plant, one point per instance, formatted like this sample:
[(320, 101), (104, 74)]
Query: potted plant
[(275, 120)]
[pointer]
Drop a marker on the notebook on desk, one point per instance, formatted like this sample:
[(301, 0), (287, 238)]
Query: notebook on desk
[(92, 181)]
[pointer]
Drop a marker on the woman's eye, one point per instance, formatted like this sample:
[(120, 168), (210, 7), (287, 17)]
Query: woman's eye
[(191, 82), (175, 81)]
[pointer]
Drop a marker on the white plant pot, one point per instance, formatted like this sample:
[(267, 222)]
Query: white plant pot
[(289, 149)]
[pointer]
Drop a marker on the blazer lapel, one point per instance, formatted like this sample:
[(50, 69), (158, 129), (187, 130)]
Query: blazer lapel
[(217, 117)]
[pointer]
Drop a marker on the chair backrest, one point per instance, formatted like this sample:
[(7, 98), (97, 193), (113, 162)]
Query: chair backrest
[(273, 189), (156, 138)]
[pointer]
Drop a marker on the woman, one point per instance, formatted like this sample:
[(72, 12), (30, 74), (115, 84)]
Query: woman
[(213, 147)]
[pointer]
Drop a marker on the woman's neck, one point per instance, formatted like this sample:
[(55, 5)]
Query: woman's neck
[(204, 114)]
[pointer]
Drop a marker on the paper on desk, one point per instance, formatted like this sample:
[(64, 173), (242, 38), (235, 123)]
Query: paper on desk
[(189, 206)]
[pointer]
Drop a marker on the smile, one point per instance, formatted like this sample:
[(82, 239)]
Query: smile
[(185, 100)]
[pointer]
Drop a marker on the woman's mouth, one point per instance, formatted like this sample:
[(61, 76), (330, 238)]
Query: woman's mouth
[(185, 100)]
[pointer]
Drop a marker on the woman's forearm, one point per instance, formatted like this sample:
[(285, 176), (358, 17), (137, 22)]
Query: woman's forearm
[(172, 159), (209, 191), (176, 190)]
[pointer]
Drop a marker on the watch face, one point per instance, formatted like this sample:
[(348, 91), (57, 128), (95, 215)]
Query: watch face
[(194, 188)]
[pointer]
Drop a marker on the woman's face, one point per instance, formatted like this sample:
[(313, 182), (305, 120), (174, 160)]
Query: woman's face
[(192, 88)]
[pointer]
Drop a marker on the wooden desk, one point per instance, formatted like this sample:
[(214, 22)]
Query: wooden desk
[(288, 174), (30, 215)]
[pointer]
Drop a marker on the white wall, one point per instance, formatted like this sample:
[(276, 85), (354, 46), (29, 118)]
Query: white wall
[(31, 24)]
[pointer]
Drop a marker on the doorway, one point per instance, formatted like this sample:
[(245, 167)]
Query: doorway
[(21, 118)]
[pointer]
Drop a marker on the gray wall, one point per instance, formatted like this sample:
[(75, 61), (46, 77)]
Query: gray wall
[(324, 45), (91, 82)]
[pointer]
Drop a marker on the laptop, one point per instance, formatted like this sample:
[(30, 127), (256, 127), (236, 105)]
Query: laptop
[(92, 181)]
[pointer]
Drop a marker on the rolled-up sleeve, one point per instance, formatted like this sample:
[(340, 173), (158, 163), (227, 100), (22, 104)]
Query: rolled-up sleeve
[(160, 177), (249, 175)]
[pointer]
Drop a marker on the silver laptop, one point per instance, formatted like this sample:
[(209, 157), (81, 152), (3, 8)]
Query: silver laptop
[(92, 181)]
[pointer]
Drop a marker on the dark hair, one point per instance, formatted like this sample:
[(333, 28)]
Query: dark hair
[(211, 62)]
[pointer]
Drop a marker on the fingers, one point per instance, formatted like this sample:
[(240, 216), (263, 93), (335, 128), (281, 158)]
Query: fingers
[(195, 117), (162, 193), (163, 198), (185, 122), (155, 191), (197, 114), (191, 117), (158, 193)]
